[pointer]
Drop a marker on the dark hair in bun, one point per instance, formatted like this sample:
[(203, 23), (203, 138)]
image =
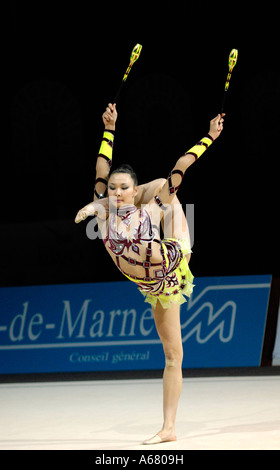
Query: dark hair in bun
[(125, 168)]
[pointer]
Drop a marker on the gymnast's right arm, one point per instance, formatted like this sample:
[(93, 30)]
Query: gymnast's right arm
[(100, 204), (104, 159)]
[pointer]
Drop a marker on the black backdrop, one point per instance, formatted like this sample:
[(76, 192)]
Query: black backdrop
[(64, 63)]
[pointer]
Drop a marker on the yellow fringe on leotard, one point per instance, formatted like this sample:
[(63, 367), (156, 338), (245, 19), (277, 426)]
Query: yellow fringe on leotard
[(175, 285)]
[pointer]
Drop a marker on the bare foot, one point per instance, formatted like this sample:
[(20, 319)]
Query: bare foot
[(162, 436)]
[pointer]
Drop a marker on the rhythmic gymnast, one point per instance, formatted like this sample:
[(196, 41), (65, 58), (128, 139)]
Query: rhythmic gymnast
[(129, 221)]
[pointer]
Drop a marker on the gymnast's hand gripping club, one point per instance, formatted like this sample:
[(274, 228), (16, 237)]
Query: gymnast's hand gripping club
[(134, 56), (231, 64)]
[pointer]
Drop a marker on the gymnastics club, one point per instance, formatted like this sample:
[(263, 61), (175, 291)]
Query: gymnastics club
[(134, 56), (232, 59)]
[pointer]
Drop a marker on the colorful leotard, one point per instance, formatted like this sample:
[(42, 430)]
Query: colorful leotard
[(165, 274), (165, 280)]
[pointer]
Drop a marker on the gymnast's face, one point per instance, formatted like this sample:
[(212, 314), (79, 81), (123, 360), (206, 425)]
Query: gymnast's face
[(121, 189)]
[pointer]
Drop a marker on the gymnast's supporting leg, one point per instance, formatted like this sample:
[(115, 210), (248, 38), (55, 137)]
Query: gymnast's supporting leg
[(169, 329)]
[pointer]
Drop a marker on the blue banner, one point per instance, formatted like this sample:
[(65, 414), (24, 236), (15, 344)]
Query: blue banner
[(108, 326)]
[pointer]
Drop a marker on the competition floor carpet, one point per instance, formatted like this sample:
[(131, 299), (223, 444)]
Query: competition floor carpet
[(238, 413)]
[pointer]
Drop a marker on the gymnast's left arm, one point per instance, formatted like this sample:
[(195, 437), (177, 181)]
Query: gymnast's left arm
[(175, 177)]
